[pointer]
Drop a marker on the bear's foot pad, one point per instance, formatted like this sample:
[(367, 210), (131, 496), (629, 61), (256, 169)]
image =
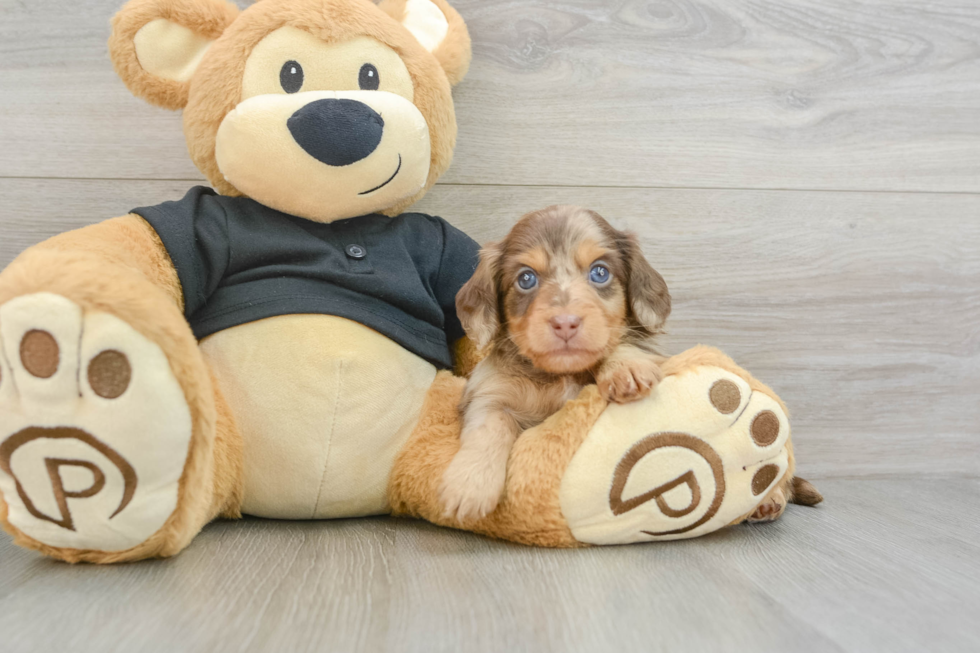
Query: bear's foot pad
[(700, 452), (94, 427)]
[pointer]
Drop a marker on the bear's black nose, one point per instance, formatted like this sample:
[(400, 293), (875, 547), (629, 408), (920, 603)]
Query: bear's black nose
[(337, 132)]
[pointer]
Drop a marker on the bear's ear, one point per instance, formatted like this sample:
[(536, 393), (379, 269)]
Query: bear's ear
[(156, 45), (439, 28)]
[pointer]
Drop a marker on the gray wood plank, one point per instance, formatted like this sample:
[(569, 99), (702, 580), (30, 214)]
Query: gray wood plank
[(832, 94), (883, 565), (861, 309)]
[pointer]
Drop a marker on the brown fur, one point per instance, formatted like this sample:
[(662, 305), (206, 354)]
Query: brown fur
[(121, 268), (804, 493), (530, 512), (216, 86), (454, 53), (209, 18), (530, 370), (465, 357)]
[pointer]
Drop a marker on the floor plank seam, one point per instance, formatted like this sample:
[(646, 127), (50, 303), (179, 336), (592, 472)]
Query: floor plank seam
[(754, 189)]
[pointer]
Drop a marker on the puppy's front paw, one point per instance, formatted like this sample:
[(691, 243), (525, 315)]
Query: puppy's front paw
[(628, 380), (771, 509), (471, 486)]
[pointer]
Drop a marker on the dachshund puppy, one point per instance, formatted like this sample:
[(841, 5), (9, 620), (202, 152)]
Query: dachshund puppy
[(563, 301)]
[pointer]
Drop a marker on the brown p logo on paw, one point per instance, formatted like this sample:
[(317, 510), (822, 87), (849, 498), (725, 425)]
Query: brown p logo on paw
[(94, 426), (651, 444), (54, 466), (697, 454)]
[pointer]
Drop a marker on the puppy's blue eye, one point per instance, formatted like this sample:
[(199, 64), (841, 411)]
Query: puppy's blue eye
[(600, 275), (527, 279)]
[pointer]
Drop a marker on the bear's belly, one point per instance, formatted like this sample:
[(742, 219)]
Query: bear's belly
[(324, 405)]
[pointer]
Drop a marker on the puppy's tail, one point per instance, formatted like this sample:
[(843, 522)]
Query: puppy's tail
[(805, 493)]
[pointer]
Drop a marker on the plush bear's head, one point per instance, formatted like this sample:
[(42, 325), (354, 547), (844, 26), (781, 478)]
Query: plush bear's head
[(324, 109)]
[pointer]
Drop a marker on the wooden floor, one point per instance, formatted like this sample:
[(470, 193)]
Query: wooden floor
[(806, 176), (889, 565)]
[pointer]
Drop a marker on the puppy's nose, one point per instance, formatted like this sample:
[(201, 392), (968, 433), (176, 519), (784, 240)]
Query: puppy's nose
[(565, 326), (337, 132)]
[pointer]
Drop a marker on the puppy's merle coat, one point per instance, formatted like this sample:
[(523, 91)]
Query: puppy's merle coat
[(563, 301)]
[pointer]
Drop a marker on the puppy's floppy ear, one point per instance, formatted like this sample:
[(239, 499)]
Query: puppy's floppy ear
[(439, 28), (646, 290), (156, 45), (476, 302)]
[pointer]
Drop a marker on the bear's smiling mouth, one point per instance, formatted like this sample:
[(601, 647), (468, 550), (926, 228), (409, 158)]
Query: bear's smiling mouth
[(395, 174)]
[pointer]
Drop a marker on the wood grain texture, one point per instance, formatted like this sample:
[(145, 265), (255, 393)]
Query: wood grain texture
[(832, 94), (885, 565), (862, 310)]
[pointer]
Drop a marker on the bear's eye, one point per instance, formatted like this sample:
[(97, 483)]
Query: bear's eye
[(291, 76), (368, 78)]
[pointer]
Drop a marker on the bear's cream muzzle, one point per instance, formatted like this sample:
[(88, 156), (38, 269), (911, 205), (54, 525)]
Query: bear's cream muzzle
[(325, 155)]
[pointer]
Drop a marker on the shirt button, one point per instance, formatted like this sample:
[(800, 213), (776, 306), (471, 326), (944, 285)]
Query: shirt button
[(356, 252)]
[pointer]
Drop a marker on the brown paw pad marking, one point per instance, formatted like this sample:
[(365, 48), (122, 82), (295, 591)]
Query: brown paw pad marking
[(39, 353), (725, 396), (765, 428), (764, 478), (109, 374)]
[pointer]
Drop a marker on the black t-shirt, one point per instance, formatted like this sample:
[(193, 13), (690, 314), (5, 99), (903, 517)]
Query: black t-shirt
[(239, 261)]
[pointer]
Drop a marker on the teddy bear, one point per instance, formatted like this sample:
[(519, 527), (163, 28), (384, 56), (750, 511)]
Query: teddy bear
[(285, 344)]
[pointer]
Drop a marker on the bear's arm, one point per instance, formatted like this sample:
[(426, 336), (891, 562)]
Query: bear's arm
[(128, 242)]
